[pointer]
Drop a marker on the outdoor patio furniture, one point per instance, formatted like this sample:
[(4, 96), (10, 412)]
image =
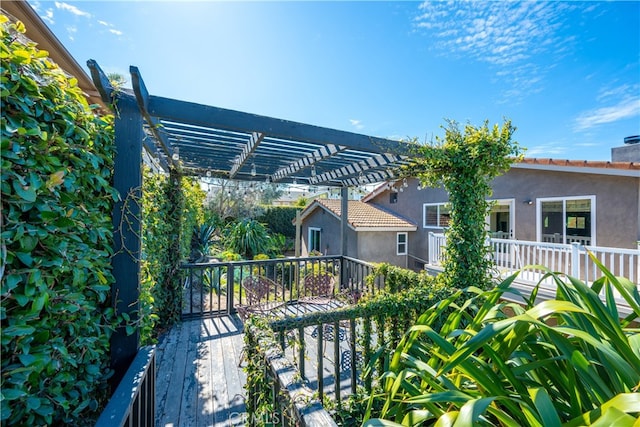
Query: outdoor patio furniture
[(263, 295), (318, 288), (328, 333), (346, 360)]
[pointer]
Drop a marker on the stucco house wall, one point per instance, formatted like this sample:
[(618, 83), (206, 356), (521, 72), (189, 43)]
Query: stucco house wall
[(409, 203), (380, 246), (617, 200), (372, 233), (330, 234)]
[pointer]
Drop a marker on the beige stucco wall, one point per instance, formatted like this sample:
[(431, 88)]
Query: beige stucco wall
[(616, 213), (617, 199), (380, 246), (330, 235)]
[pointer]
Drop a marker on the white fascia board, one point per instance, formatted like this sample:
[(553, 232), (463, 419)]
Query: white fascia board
[(579, 169)]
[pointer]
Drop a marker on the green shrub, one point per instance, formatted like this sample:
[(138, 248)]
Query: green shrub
[(192, 213), (229, 256), (56, 242), (279, 219), (464, 163), (568, 361)]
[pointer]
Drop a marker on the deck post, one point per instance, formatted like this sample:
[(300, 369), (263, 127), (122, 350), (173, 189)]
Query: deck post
[(575, 259), (127, 180), (231, 288), (344, 229)]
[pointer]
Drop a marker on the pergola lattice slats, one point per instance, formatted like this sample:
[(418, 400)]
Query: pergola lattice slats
[(254, 140), (237, 145)]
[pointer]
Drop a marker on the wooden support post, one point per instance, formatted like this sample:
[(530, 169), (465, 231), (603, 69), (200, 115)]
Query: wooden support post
[(127, 179), (344, 206), (344, 229)]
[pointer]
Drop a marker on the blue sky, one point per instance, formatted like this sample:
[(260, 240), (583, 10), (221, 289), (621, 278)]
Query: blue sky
[(566, 73)]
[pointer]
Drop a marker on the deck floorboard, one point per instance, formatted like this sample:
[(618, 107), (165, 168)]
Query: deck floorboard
[(199, 376), (199, 382)]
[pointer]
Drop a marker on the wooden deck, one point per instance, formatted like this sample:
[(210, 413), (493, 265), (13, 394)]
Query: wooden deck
[(198, 381)]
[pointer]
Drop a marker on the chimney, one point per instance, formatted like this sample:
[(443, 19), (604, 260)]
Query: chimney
[(629, 152)]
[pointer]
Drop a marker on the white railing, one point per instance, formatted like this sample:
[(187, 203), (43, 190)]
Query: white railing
[(572, 259)]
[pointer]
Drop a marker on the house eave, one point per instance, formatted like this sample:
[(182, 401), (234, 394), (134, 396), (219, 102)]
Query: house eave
[(579, 169), (389, 229)]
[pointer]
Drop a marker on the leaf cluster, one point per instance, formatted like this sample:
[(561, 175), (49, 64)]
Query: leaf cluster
[(248, 238), (56, 241)]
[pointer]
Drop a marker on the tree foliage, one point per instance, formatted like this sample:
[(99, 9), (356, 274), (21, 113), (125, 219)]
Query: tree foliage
[(56, 241), (236, 200), (170, 205), (464, 163)]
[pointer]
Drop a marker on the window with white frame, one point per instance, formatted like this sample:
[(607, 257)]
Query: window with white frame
[(314, 239), (567, 220), (401, 243), (436, 215)]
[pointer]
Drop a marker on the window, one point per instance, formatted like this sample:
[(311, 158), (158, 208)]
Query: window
[(567, 220), (436, 215), (401, 244), (314, 239)]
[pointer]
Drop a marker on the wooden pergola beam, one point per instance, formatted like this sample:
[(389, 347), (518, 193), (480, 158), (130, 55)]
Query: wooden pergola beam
[(355, 168), (308, 160), (254, 140)]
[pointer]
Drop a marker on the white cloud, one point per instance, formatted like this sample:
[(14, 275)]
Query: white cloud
[(48, 16), (625, 109), (116, 32), (356, 123), (71, 32), (547, 150), (72, 9), (509, 36), (106, 24)]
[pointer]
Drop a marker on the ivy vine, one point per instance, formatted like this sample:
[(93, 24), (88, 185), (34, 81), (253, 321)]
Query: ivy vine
[(56, 241), (465, 162)]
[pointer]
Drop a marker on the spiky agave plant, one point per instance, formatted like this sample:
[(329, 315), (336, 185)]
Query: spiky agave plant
[(569, 361)]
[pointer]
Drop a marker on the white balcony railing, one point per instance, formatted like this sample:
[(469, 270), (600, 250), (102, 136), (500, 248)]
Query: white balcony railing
[(572, 259)]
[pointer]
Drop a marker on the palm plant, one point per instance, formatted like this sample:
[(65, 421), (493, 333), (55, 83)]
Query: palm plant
[(565, 362), (248, 237), (201, 240)]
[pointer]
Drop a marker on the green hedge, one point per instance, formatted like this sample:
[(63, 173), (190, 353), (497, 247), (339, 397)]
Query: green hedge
[(56, 242), (279, 219)]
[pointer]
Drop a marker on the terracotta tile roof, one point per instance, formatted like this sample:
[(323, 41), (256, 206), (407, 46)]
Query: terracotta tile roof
[(364, 215), (582, 163)]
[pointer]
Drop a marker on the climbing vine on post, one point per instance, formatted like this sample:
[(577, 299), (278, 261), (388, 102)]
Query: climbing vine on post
[(464, 163)]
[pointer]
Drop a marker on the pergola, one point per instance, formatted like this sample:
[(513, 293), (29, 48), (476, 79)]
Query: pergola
[(228, 144), (215, 142)]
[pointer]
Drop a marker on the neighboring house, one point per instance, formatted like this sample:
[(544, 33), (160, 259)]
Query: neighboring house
[(374, 234), (595, 203)]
